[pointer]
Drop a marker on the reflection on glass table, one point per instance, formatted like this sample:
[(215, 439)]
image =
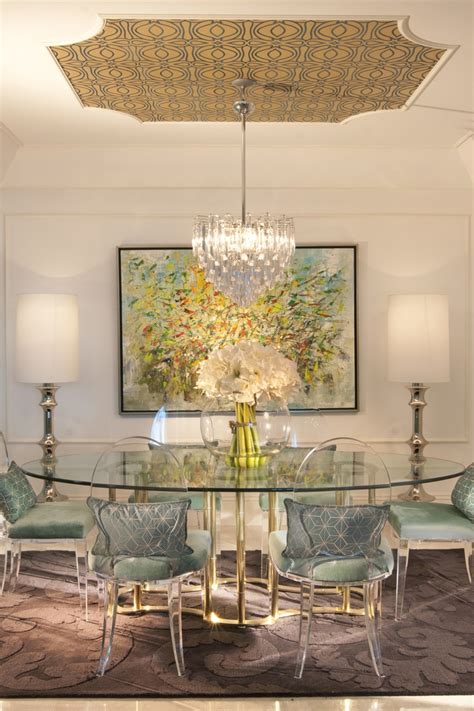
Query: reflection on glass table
[(204, 473)]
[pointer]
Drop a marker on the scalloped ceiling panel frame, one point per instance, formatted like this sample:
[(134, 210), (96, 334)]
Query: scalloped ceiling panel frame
[(307, 70)]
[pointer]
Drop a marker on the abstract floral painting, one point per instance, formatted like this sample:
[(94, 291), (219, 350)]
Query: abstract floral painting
[(171, 317)]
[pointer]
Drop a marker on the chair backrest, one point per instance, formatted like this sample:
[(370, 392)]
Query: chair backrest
[(352, 525), (138, 462), (348, 466), (4, 458), (166, 428), (140, 528)]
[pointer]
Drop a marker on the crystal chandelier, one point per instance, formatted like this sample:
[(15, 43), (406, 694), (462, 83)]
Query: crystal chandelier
[(243, 256)]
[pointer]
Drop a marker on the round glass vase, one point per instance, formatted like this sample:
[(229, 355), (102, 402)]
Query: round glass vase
[(244, 434)]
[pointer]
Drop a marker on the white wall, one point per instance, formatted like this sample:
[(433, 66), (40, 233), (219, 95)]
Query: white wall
[(77, 254), (413, 234)]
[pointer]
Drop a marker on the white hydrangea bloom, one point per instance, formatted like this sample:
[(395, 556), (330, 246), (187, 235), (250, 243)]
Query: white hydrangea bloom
[(246, 372)]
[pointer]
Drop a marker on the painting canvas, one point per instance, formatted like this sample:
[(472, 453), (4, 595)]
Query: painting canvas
[(171, 317)]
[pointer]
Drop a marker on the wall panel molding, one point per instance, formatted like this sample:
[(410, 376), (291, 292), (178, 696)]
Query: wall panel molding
[(91, 441), (400, 249)]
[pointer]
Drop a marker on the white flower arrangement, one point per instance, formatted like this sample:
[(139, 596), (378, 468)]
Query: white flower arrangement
[(247, 372)]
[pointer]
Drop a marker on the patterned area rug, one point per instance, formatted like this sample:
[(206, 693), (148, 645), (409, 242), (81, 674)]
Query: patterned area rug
[(47, 649)]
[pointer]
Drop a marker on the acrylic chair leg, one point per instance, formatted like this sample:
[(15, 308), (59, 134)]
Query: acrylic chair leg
[(110, 614), (15, 564), (176, 627), (372, 624), (468, 557), (379, 598), (402, 565), (5, 569), (100, 591), (82, 582), (306, 616)]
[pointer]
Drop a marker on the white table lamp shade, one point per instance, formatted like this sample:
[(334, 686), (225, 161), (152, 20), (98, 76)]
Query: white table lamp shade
[(418, 338), (47, 338)]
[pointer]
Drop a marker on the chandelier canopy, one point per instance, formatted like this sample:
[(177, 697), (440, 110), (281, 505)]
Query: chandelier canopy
[(243, 256)]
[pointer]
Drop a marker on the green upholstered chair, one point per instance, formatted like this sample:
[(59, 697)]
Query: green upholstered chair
[(284, 462), (191, 460), (314, 498), (144, 542), (197, 507), (419, 525), (339, 544), (61, 525)]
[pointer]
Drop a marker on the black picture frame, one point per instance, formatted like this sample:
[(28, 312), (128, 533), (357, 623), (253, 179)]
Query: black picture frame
[(128, 406)]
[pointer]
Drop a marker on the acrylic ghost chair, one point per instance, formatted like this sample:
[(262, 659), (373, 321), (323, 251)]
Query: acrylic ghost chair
[(144, 543), (61, 525), (421, 525), (341, 544), (168, 431), (288, 461)]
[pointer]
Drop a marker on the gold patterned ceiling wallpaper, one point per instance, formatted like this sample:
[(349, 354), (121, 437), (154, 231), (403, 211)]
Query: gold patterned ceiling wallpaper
[(307, 70)]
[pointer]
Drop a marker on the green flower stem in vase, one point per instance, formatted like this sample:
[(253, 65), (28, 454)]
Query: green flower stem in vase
[(245, 450)]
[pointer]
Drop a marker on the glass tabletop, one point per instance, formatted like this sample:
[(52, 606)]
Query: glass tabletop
[(203, 472)]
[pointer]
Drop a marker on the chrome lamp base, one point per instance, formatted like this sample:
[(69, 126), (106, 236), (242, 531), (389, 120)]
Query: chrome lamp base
[(416, 492), (49, 492), (417, 444), (48, 444)]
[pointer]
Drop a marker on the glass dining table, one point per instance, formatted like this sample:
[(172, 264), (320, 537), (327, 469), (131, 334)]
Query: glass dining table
[(204, 473)]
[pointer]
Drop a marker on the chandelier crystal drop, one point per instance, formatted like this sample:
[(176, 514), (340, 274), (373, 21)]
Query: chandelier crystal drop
[(245, 256), (243, 260)]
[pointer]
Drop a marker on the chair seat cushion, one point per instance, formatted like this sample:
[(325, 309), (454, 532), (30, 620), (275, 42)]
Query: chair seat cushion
[(323, 498), (342, 571), (147, 569), (198, 499), (421, 520), (59, 519)]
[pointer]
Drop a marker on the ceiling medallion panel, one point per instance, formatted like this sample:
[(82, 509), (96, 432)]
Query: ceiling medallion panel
[(307, 70)]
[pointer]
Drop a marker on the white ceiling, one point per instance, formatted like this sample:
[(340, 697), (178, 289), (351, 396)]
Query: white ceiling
[(39, 107)]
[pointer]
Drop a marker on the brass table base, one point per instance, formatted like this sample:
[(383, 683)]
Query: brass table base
[(215, 619), (136, 606)]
